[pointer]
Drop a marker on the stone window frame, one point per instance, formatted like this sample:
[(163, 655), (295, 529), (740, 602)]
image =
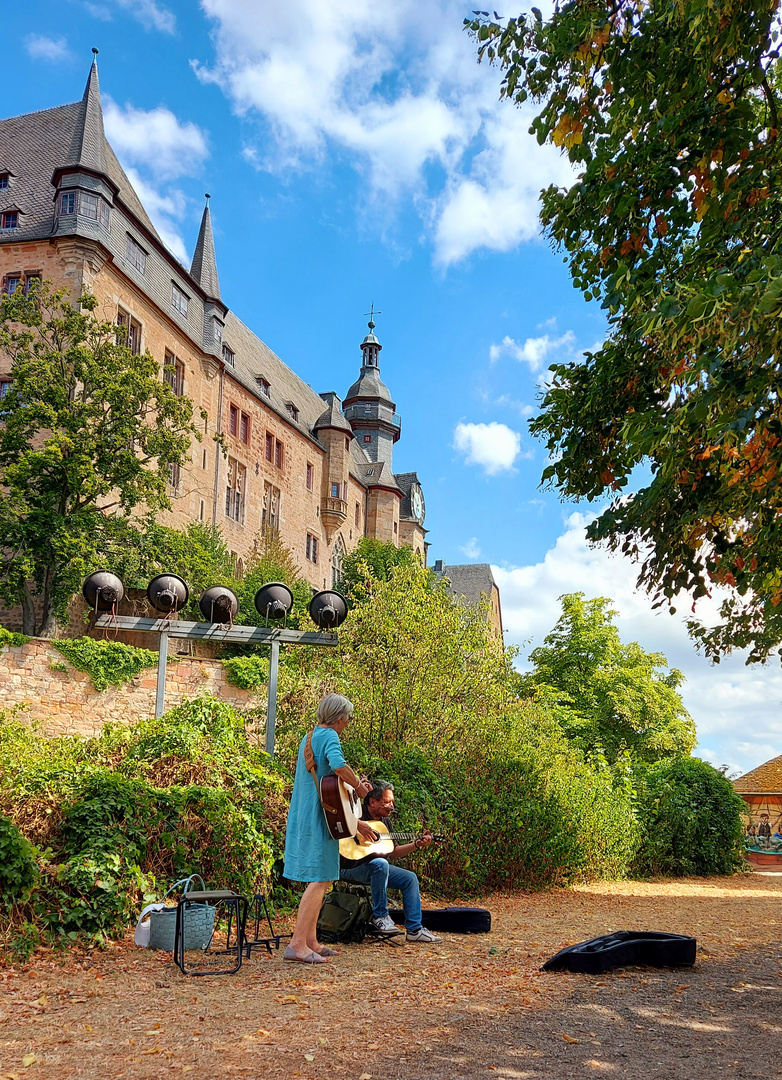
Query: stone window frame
[(271, 506), (132, 327), (264, 385), (269, 446), (236, 490), (279, 454), (310, 475), (293, 410), (229, 356), (245, 428), (175, 378), (311, 548)]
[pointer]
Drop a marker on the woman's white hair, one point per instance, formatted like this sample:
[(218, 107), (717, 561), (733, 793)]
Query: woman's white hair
[(332, 707)]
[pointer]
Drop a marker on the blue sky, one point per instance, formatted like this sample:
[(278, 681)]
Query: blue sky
[(356, 152)]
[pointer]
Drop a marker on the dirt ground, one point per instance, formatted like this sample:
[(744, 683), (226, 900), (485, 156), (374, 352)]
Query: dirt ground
[(472, 1006)]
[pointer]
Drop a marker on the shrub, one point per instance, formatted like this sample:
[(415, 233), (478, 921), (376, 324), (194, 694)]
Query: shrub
[(18, 868), (125, 814), (691, 820)]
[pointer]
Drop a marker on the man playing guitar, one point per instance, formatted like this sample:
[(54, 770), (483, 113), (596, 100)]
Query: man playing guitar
[(380, 875)]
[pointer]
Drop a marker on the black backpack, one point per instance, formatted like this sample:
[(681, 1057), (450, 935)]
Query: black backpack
[(344, 914)]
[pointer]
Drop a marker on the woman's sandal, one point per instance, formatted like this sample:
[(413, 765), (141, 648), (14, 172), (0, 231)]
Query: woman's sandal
[(326, 951), (310, 958)]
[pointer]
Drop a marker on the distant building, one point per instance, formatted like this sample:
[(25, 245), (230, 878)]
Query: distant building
[(316, 469), (761, 790), (472, 583)]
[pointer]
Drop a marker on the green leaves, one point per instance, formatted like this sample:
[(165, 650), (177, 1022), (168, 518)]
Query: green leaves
[(89, 431), (673, 223)]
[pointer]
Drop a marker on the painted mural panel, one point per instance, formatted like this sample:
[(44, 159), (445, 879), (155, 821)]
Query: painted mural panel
[(764, 828)]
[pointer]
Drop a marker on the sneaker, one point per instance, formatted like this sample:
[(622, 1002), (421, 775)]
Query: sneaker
[(423, 936), (385, 926)]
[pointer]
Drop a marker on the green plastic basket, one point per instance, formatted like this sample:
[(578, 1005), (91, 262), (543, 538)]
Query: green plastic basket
[(199, 922)]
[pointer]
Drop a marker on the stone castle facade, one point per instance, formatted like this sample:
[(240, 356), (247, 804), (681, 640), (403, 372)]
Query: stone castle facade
[(314, 467)]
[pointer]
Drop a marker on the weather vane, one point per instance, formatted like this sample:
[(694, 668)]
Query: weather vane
[(371, 313)]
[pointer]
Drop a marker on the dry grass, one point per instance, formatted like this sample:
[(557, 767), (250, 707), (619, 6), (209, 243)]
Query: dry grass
[(473, 1006)]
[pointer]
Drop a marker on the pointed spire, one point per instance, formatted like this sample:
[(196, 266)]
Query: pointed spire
[(204, 268), (91, 152)]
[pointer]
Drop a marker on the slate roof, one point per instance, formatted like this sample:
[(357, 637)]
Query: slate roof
[(254, 359), (34, 145), (204, 267), (405, 482), (471, 581), (369, 385), (332, 417), (766, 779)]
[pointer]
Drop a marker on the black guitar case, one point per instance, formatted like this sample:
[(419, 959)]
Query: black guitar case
[(452, 920), (625, 947)]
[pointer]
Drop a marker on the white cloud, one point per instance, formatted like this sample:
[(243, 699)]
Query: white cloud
[(736, 708), (155, 148), (395, 88), (471, 549), (166, 212), (150, 14), (44, 48), (534, 350), (493, 446), (155, 139)]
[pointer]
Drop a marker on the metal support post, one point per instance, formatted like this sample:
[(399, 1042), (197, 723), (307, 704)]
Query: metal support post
[(162, 661), (271, 708)]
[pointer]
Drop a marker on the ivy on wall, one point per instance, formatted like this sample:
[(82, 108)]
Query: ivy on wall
[(247, 672), (10, 640), (108, 663)]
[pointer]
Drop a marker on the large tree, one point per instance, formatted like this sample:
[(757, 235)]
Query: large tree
[(88, 435), (669, 112), (609, 697)]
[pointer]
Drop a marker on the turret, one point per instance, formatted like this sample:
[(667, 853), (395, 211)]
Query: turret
[(368, 406)]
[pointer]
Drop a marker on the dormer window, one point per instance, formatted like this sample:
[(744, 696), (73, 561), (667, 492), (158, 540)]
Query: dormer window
[(263, 385), (293, 412), (135, 254), (9, 220), (5, 180), (86, 205), (228, 356), (218, 331), (179, 299)]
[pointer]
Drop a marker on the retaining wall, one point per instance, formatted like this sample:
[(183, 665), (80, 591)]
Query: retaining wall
[(67, 703)]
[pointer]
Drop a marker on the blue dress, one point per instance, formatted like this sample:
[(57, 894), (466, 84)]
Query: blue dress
[(311, 853)]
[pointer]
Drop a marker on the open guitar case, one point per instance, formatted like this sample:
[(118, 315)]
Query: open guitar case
[(451, 920), (623, 948)]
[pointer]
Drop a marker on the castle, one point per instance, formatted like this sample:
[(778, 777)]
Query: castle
[(316, 468)]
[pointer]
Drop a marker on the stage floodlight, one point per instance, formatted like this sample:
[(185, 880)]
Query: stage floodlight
[(328, 609), (219, 604), (167, 593), (102, 590), (273, 600)]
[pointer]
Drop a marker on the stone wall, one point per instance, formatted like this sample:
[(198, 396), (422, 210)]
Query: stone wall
[(65, 702)]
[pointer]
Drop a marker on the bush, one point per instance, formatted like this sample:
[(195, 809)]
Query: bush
[(691, 820), (125, 814), (18, 868)]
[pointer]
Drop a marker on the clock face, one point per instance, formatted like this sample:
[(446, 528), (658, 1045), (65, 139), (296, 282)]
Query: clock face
[(417, 504)]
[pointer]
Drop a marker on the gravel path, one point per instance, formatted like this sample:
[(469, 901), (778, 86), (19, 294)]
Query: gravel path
[(471, 1007)]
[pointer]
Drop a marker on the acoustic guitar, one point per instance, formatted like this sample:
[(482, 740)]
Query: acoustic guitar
[(355, 847), (341, 806)]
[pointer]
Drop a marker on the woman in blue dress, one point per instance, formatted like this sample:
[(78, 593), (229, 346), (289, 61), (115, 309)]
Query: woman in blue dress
[(311, 853)]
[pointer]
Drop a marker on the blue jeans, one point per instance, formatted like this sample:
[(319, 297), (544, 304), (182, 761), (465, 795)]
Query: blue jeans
[(381, 876)]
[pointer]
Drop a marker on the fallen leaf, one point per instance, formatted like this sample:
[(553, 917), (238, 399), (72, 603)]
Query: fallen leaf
[(309, 1057), (29, 1059), (365, 1076), (322, 1041), (568, 1039), (42, 1000), (264, 1032), (289, 999)]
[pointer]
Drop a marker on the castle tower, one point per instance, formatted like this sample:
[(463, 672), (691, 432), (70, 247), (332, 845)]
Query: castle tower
[(368, 406), (204, 271)]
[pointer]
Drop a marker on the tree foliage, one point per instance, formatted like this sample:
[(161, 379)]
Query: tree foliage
[(669, 113), (372, 559), (88, 433), (610, 698)]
